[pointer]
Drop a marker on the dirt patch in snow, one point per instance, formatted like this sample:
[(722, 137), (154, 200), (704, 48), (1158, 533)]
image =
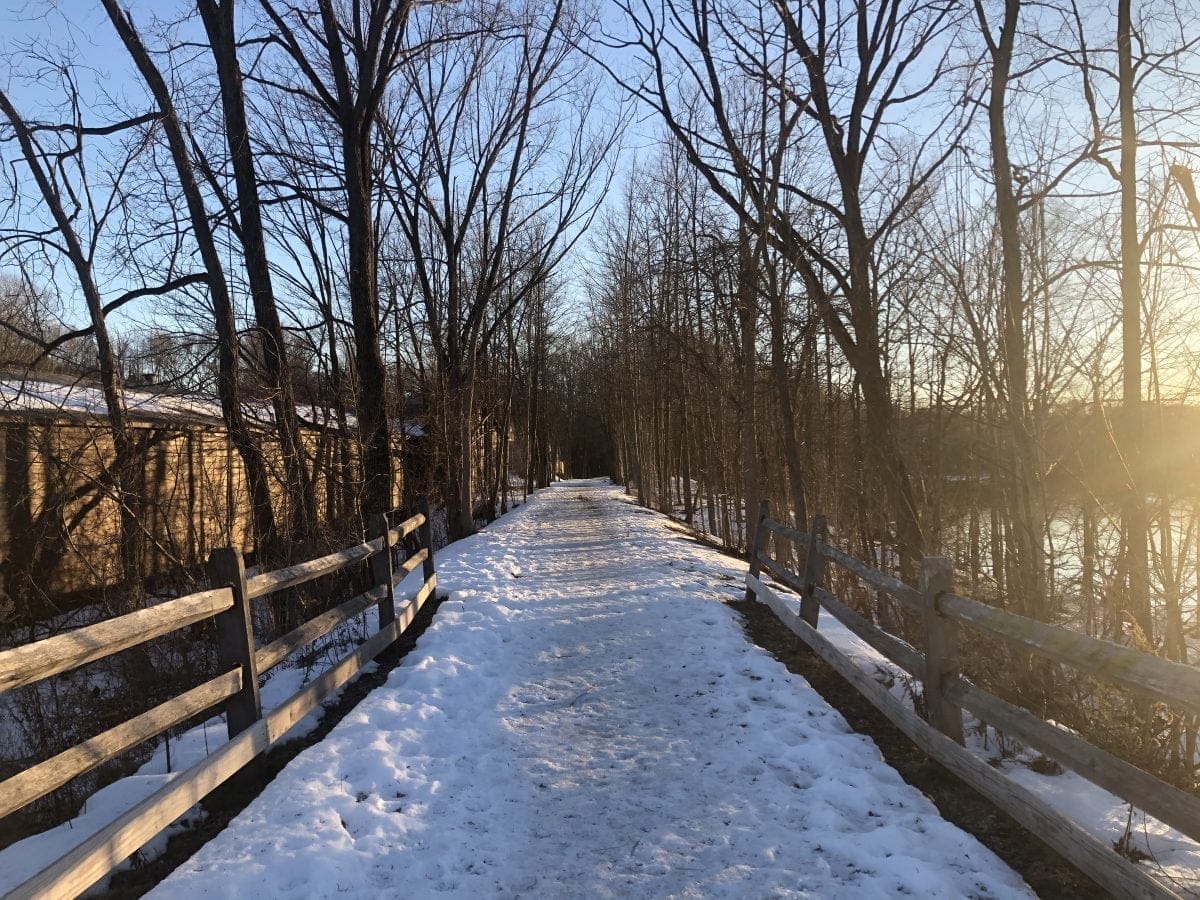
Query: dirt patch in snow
[(1043, 869), (223, 804)]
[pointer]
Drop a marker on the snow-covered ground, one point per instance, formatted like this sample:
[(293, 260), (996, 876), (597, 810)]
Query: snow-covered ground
[(586, 718), (1165, 853), (23, 859), (27, 857)]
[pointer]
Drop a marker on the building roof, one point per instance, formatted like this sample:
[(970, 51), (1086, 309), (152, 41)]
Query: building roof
[(42, 397), (57, 398)]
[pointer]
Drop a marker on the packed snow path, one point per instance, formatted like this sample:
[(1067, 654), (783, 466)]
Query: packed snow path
[(586, 718)]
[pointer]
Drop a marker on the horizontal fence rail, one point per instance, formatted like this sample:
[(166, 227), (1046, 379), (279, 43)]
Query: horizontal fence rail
[(947, 693), (235, 692), (34, 662)]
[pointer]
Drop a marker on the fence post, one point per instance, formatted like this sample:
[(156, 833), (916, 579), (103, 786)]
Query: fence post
[(760, 533), (814, 571), (941, 647), (235, 639), (381, 569), (427, 570)]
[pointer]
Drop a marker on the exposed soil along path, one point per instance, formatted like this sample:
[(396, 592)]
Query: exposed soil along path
[(585, 717)]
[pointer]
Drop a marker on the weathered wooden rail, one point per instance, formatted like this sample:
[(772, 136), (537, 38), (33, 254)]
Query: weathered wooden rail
[(946, 694), (235, 690)]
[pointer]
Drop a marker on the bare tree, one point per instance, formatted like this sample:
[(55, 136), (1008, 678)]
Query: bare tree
[(219, 25), (1023, 483), (494, 171), (848, 71), (228, 390), (59, 171), (344, 68)]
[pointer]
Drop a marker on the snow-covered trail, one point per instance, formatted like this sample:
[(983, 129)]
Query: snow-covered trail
[(586, 718)]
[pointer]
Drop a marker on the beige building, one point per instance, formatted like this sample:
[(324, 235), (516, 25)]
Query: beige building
[(58, 523)]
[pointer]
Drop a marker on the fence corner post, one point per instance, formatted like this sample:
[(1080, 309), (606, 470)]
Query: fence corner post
[(814, 571), (941, 647), (760, 537), (428, 573), (381, 568), (235, 639)]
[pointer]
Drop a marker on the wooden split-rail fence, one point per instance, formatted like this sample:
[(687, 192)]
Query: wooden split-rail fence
[(235, 691), (946, 694)]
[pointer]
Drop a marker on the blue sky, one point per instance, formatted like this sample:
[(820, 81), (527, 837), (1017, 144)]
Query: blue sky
[(109, 83)]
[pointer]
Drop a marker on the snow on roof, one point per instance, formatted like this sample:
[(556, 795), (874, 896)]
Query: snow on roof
[(42, 397), (33, 396)]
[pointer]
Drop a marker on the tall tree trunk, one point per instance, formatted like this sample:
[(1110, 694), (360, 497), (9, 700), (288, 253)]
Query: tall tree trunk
[(228, 391), (749, 259), (884, 447), (1088, 562), (218, 19), (1021, 489), (787, 411), (372, 405), (1174, 645), (461, 462), (1133, 515), (533, 405), (128, 458)]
